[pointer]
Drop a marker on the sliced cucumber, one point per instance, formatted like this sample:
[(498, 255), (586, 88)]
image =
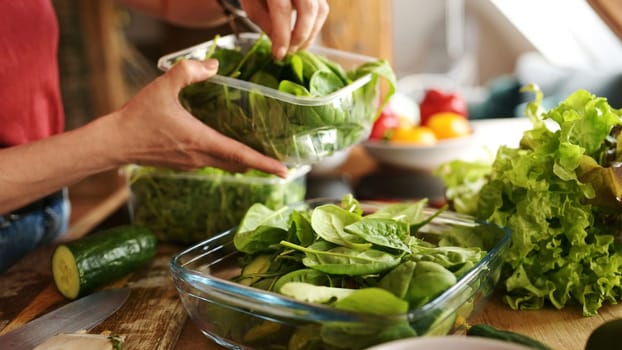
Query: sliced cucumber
[(82, 265)]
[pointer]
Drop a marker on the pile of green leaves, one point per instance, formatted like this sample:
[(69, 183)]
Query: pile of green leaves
[(559, 193), (300, 132), (188, 207), (375, 264)]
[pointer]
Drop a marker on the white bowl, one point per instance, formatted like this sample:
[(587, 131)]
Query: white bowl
[(449, 342), (488, 135), (331, 163)]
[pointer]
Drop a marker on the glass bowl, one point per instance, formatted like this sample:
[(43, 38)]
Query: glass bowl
[(237, 316), (294, 129)]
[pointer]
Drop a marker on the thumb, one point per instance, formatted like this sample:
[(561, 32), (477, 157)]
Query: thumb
[(186, 72)]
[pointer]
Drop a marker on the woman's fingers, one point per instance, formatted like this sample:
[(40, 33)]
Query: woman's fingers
[(225, 149), (310, 16), (186, 72), (275, 18), (320, 19)]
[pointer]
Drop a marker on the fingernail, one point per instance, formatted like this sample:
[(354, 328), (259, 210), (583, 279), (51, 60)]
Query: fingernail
[(211, 64), (283, 172), (281, 53)]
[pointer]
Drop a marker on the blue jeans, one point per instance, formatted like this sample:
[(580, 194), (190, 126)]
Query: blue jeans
[(20, 234)]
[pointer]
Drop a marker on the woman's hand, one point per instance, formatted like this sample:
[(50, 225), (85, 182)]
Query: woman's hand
[(275, 18), (154, 129)]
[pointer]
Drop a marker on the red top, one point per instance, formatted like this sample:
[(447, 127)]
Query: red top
[(30, 99)]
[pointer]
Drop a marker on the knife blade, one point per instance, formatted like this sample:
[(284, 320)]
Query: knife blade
[(81, 314)]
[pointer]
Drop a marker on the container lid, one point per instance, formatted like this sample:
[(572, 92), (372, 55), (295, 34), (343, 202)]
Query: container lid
[(244, 41), (293, 173)]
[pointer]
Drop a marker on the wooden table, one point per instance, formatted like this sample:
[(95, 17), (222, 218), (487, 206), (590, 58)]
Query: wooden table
[(154, 318)]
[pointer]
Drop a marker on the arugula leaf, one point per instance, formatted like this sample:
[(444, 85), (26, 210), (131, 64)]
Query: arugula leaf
[(188, 207)]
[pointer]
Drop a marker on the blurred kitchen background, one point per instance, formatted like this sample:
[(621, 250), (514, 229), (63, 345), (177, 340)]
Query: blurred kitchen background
[(485, 49)]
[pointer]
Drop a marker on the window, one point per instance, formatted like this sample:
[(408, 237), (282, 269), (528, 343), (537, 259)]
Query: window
[(569, 33)]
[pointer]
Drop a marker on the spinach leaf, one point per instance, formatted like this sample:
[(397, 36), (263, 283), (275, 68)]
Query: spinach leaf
[(253, 271), (381, 232), (398, 279), (346, 261), (428, 281), (458, 260), (375, 301), (297, 131), (301, 228), (314, 294), (385, 303), (418, 282), (351, 204), (329, 221), (308, 276), (293, 88), (261, 228), (410, 213), (324, 83), (366, 263), (228, 60), (297, 67), (264, 78)]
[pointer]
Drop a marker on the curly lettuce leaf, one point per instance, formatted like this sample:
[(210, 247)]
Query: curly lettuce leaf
[(463, 181), (558, 193)]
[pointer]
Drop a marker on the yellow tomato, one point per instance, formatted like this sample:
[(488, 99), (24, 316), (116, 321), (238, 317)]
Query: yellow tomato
[(418, 135), (405, 122), (447, 125)]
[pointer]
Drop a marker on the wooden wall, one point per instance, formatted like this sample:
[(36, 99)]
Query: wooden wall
[(611, 12), (91, 52), (361, 26)]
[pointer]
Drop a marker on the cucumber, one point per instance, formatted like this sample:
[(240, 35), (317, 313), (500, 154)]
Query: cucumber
[(488, 331), (80, 266)]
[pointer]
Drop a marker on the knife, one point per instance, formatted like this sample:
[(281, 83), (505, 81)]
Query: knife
[(81, 314)]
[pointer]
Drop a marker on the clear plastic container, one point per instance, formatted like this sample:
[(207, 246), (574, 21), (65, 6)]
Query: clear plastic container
[(189, 207), (241, 317), (294, 129)]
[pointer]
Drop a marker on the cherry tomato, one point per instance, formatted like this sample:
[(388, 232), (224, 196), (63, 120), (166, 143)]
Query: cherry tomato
[(435, 101), (387, 121), (418, 135), (446, 125)]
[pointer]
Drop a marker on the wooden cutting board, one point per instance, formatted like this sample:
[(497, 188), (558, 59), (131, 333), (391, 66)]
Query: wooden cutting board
[(565, 329), (151, 318)]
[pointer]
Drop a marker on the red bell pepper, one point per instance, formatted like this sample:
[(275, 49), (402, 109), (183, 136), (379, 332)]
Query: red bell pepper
[(435, 101), (387, 121)]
